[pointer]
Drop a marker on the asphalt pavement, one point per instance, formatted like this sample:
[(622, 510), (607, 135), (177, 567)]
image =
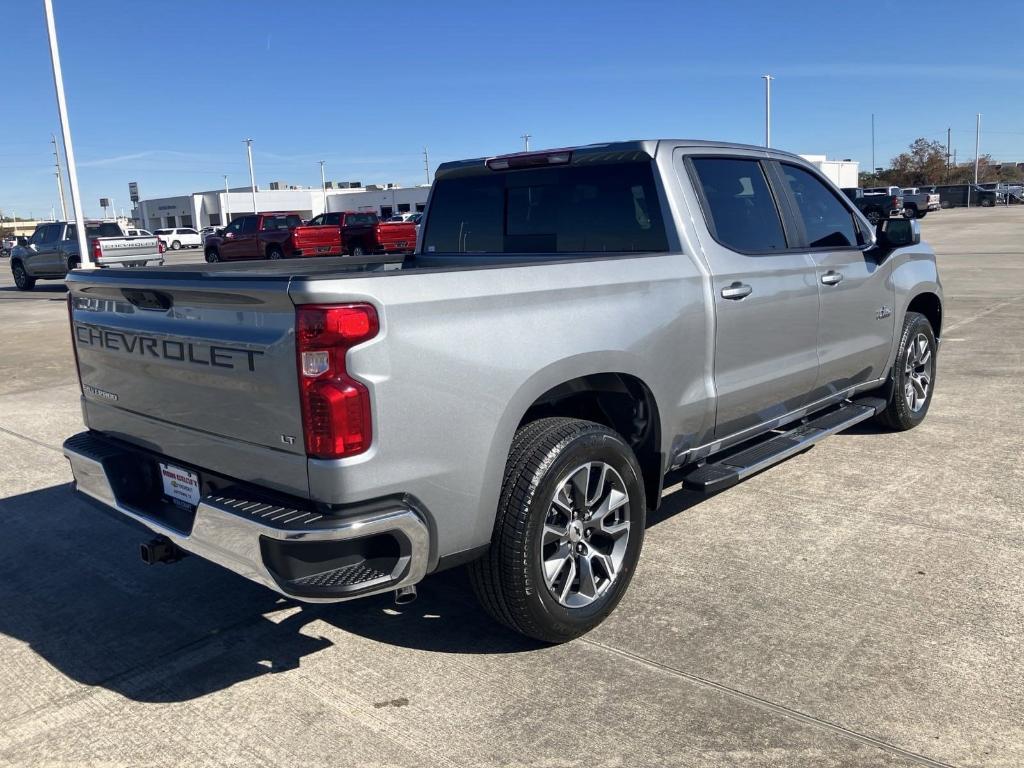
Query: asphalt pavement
[(859, 605)]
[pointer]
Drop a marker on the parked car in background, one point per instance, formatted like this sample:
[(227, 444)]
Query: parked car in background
[(515, 396), (278, 235), (52, 251), (7, 245), (138, 233), (361, 232), (181, 237), (875, 207), (407, 216), (917, 202), (205, 232), (957, 195)]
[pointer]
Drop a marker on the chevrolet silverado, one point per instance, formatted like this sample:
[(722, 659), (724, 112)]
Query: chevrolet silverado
[(52, 251), (573, 324)]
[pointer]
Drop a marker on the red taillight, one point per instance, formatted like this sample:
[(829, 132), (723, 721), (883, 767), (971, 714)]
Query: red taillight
[(161, 246), (335, 407), (97, 252)]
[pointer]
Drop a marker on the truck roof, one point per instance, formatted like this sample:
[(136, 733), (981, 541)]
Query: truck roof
[(622, 150)]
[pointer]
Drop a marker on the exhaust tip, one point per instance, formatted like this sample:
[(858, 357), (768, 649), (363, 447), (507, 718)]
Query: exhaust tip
[(405, 595)]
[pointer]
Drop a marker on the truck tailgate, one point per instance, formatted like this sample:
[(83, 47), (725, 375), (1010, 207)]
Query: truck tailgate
[(318, 240), (198, 366), (118, 249), (397, 236)]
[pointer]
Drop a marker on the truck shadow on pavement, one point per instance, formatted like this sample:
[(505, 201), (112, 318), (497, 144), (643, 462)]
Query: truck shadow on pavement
[(73, 589)]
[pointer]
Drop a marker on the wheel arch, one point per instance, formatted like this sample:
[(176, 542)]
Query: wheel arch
[(620, 401), (930, 305)]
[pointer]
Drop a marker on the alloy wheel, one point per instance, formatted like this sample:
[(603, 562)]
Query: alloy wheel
[(585, 535), (918, 372)]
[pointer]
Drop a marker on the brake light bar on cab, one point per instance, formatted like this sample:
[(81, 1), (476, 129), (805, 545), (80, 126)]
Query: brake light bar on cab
[(336, 421)]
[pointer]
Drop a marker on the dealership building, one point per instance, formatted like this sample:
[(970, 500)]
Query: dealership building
[(217, 207)]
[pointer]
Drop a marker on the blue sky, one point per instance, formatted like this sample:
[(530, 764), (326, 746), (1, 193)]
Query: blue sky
[(163, 93)]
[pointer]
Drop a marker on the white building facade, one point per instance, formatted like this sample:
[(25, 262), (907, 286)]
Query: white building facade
[(842, 173), (217, 207)]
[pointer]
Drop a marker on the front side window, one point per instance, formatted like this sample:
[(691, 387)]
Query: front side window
[(234, 227), (599, 208), (333, 219), (827, 222), (45, 235), (741, 210)]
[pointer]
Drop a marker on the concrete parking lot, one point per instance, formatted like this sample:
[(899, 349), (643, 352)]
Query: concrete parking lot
[(862, 604)]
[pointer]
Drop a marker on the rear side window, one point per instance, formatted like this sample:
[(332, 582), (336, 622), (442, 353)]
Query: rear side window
[(360, 220), (827, 222), (273, 223), (249, 224), (601, 208), (740, 208)]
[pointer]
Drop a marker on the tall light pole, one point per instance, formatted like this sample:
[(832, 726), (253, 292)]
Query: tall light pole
[(767, 109), (227, 203), (323, 184), (60, 179), (872, 142), (977, 146), (252, 174), (426, 165), (65, 128), (526, 141)]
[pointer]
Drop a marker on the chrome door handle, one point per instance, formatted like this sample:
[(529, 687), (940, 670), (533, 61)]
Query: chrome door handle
[(832, 277), (736, 291)]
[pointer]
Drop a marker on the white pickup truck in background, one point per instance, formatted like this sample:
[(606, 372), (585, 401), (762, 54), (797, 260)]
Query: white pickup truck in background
[(917, 203)]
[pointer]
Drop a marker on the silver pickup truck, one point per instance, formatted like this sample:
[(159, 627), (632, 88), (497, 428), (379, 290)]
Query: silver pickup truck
[(917, 203), (52, 251), (573, 325)]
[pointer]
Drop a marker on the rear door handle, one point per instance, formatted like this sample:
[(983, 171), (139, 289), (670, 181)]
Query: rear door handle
[(832, 277), (737, 291)]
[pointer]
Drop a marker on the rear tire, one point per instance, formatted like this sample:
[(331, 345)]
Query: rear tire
[(274, 253), (911, 383), (986, 203), (874, 216), (21, 278), (910, 213), (945, 204), (356, 250), (568, 531)]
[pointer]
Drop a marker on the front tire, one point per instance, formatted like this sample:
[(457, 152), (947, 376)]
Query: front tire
[(212, 256), (176, 245), (912, 381), (21, 278), (568, 532)]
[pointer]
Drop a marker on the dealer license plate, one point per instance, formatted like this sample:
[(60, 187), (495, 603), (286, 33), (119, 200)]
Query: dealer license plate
[(180, 485)]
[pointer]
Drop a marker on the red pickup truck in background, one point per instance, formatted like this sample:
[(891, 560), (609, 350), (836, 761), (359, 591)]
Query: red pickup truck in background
[(271, 236), (361, 233)]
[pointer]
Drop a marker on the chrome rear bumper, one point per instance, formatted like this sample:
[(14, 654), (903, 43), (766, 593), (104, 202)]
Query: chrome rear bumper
[(358, 554)]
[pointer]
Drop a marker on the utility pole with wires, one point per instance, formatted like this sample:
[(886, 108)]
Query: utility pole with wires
[(65, 127), (60, 179), (526, 141), (323, 184), (252, 175), (426, 165)]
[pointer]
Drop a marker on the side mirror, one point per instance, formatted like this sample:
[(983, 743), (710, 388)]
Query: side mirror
[(899, 233), (22, 240), (229, 235)]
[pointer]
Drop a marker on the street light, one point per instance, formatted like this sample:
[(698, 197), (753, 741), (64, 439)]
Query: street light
[(69, 150), (252, 175), (767, 109)]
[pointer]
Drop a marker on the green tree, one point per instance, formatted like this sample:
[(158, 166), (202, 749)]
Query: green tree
[(923, 163)]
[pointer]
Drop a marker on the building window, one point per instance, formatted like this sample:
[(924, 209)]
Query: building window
[(214, 219), (169, 222), (186, 221), (386, 212), (403, 208), (421, 207)]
